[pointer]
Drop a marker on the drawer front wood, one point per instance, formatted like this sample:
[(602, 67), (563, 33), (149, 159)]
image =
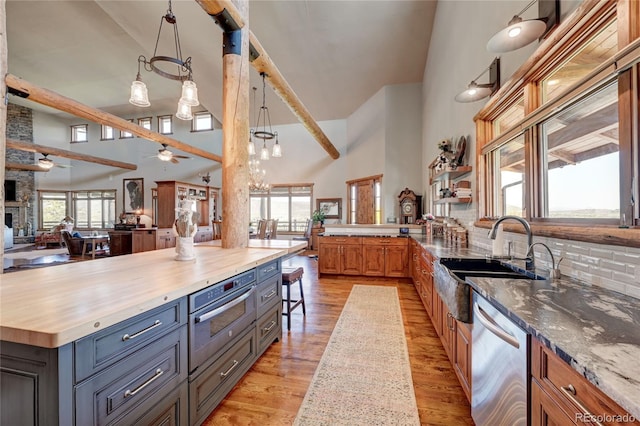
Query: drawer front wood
[(269, 329), (544, 410), (269, 269), (402, 242), (173, 410), (269, 294), (101, 349), (207, 389), (341, 240), (553, 374), (118, 390)]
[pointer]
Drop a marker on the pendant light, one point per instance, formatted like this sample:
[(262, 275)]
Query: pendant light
[(262, 131), (189, 97)]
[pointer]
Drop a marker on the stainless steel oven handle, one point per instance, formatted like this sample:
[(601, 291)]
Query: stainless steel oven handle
[(486, 320), (226, 306)]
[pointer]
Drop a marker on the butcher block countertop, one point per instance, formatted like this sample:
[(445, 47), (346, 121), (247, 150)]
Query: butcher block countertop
[(290, 246), (50, 307)]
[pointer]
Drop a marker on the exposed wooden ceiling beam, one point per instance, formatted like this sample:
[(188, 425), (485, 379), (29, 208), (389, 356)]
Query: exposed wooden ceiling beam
[(26, 167), (263, 64), (52, 99), (41, 149)]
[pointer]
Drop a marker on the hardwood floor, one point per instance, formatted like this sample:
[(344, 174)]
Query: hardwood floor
[(272, 391)]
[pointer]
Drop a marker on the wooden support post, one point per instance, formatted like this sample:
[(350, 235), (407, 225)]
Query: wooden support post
[(62, 103), (235, 135), (4, 68)]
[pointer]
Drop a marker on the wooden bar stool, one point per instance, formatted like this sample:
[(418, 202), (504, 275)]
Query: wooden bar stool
[(289, 277)]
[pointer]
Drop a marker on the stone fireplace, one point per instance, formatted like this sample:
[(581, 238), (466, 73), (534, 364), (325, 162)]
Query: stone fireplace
[(20, 127)]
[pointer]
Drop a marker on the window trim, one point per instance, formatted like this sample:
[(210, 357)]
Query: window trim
[(194, 121), (160, 118), (74, 133), (70, 198), (125, 134), (142, 120), (103, 131)]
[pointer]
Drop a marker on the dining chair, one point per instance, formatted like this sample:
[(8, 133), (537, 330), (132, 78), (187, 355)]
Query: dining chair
[(273, 229), (262, 229), (307, 233)]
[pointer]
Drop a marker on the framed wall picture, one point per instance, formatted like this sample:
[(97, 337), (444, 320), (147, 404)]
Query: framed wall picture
[(133, 195), (332, 207)]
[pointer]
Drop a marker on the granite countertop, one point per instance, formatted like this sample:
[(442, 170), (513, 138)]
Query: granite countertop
[(595, 330)]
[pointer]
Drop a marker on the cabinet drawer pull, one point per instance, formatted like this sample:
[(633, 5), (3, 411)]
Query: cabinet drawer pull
[(270, 295), (270, 268), (570, 392), (128, 392), (127, 336), (226, 373), (268, 329)]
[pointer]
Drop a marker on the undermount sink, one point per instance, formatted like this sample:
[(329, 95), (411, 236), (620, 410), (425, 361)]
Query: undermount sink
[(486, 268), (450, 276)]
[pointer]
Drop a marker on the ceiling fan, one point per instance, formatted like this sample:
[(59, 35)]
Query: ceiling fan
[(46, 163), (165, 155)]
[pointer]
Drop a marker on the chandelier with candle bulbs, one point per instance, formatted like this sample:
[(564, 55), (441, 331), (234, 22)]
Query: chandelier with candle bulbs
[(256, 177), (261, 130), (182, 72)]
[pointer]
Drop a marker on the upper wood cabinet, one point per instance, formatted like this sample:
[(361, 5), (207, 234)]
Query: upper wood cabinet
[(169, 193)]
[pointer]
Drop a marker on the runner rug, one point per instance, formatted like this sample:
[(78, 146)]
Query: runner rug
[(364, 375)]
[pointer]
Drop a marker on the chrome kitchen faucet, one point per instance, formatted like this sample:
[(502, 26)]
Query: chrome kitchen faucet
[(530, 265)]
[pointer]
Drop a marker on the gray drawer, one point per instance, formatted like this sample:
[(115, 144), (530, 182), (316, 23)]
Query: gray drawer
[(145, 377), (173, 410), (269, 294), (209, 388), (101, 349), (269, 269), (269, 328)]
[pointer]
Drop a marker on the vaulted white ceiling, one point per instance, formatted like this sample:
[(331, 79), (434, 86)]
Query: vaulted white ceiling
[(334, 54)]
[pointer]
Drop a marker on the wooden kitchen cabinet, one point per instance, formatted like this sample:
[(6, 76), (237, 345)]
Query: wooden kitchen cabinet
[(169, 194), (462, 356), (560, 395), (385, 257), (143, 240), (165, 238), (340, 255)]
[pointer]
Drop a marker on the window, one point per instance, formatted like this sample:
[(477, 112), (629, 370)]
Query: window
[(94, 209), (289, 204), (124, 134), (53, 207), (165, 125), (202, 121), (580, 159), (90, 209), (145, 122), (572, 160), (509, 118), (594, 52), (107, 133), (508, 161), (79, 133)]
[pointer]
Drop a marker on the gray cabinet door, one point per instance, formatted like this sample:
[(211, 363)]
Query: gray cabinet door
[(269, 294), (269, 328), (145, 378), (103, 348)]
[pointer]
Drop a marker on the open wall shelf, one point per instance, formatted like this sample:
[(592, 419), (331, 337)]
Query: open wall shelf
[(453, 200), (450, 174)]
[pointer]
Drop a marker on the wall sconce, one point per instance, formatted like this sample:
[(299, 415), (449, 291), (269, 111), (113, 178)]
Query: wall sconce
[(476, 91), (520, 33)]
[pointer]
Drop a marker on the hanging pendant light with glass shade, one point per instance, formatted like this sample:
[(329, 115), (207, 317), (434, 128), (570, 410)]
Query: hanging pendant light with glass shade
[(252, 146), (262, 131), (183, 72)]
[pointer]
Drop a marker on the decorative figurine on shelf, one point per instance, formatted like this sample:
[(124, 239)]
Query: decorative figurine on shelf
[(445, 193), (185, 229)]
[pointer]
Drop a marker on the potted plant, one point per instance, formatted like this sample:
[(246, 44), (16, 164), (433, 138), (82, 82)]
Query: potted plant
[(318, 217)]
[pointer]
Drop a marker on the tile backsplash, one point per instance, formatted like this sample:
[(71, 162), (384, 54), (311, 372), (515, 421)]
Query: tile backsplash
[(613, 267)]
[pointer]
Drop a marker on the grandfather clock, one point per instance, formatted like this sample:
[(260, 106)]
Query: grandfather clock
[(410, 206)]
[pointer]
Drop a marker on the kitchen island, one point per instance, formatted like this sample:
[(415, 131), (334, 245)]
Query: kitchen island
[(56, 324)]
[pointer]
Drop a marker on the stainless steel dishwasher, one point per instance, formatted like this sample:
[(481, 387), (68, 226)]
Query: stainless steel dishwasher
[(499, 368)]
